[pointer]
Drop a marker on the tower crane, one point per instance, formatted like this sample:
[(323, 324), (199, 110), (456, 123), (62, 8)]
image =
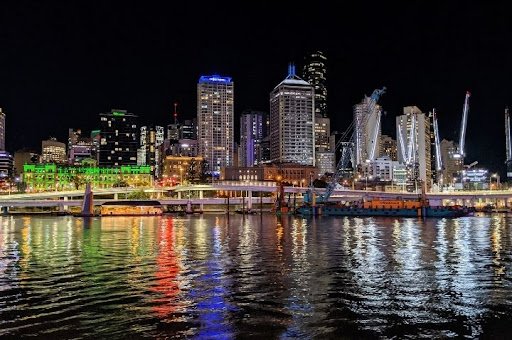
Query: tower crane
[(439, 161), (346, 142), (508, 144), (460, 150)]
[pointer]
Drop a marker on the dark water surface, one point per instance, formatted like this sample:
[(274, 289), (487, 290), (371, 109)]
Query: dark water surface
[(261, 277)]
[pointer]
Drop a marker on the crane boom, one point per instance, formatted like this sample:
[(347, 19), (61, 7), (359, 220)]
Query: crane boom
[(507, 136), (347, 145), (463, 125), (508, 144), (439, 163)]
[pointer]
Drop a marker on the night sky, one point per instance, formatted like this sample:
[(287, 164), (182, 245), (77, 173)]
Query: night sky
[(62, 63)]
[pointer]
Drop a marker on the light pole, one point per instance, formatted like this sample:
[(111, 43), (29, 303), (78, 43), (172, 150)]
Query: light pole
[(497, 182), (181, 175)]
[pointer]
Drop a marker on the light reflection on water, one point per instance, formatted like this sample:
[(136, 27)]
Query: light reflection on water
[(255, 276)]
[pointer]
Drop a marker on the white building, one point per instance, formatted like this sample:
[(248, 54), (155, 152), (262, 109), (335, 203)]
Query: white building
[(149, 153), (325, 162), (215, 114), (292, 121), (380, 169), (413, 139), (367, 130)]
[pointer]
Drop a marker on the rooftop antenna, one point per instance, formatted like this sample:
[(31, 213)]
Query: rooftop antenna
[(175, 113), (291, 70)]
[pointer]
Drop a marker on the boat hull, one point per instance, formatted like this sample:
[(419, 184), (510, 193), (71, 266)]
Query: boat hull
[(402, 212)]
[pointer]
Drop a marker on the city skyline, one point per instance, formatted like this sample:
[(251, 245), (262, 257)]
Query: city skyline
[(64, 64)]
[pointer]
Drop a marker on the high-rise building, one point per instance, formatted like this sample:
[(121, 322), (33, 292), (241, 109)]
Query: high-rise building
[(265, 149), (151, 138), (388, 147), (53, 151), (2, 130), (452, 166), (324, 157), (292, 121), (367, 131), (253, 128), (215, 119), (188, 129), (96, 142), (322, 133), (79, 147), (413, 134), (315, 73), (119, 143), (6, 166)]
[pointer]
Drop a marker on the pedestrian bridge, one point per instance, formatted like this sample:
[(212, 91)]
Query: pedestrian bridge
[(182, 193)]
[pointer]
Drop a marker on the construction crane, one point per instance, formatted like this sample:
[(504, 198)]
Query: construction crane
[(346, 143), (439, 161), (460, 150), (508, 144)]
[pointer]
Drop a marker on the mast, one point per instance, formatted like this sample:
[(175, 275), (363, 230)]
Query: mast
[(439, 161), (460, 153), (508, 144), (175, 113)]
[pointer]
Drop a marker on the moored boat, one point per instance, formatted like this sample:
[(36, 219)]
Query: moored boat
[(376, 207)]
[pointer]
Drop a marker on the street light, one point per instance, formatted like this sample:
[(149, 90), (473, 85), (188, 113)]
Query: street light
[(497, 182), (181, 175), (366, 185)]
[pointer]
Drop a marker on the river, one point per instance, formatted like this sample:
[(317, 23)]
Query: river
[(257, 276)]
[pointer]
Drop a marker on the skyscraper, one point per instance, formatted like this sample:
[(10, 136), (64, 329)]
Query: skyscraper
[(215, 118), (253, 128), (292, 121), (79, 147), (119, 143), (413, 134), (151, 138), (315, 73)]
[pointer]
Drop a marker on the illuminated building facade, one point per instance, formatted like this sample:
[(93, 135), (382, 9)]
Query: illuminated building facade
[(119, 142), (253, 128), (388, 147), (292, 121), (452, 166), (215, 120), (413, 134), (80, 148), (6, 165), (178, 169), (325, 162), (315, 73), (294, 174), (53, 151), (150, 152), (48, 177)]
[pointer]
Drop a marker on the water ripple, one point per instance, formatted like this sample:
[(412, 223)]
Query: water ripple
[(255, 276)]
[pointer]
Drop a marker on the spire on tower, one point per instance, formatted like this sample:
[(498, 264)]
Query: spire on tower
[(291, 70), (175, 113)]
